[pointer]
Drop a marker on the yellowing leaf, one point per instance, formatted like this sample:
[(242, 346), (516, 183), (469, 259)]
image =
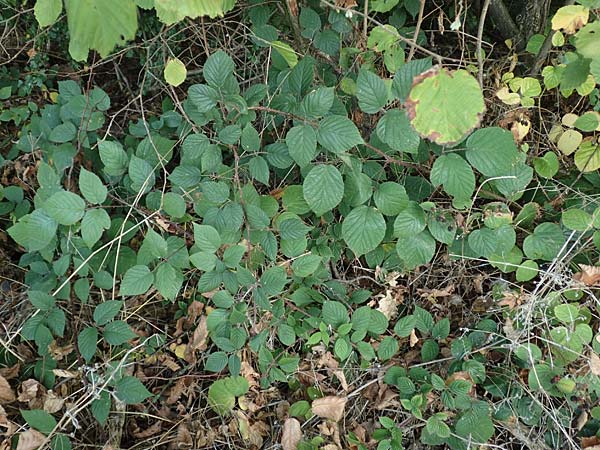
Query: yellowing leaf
[(175, 72), (570, 18), (330, 407), (587, 157), (569, 141), (507, 97)]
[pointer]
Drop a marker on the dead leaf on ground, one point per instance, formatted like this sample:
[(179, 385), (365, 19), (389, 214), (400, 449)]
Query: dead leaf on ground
[(7, 395), (590, 442), (198, 342), (52, 402), (32, 392), (388, 303), (10, 372), (413, 339), (330, 407), (30, 440), (346, 3), (152, 430), (595, 363), (589, 275), (291, 434)]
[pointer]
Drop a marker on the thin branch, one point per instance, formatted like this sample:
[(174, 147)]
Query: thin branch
[(417, 30), (482, 17)]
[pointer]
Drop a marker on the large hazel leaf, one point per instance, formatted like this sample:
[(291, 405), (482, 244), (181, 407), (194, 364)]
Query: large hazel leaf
[(338, 134), (363, 229), (455, 174), (99, 25), (372, 93), (323, 188), (444, 106), (172, 11)]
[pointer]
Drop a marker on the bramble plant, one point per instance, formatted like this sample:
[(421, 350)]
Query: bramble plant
[(297, 223)]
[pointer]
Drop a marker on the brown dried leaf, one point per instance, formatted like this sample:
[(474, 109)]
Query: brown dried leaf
[(7, 395), (413, 339), (595, 363), (52, 402), (10, 372), (330, 407), (291, 434), (30, 440), (589, 275), (388, 304)]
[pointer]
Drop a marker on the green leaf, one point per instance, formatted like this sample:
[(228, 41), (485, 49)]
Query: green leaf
[(302, 144), (566, 313), (372, 93), (286, 52), (334, 313), (390, 198), (388, 347), (323, 188), (259, 169), (91, 187), (168, 281), (107, 311), (576, 219), (39, 420), (475, 427), (174, 205), (99, 25), (101, 407), (318, 102), (207, 238), (41, 300), (61, 442), (363, 229), (587, 41), (222, 393), (445, 105), (137, 280), (170, 12), (587, 157), (216, 362), (86, 342), (306, 265), (430, 350), (405, 325), (113, 157), (338, 134), (94, 222), (141, 174), (47, 11), (545, 242), (34, 231), (588, 122), (404, 77), (441, 329), (456, 175), (286, 334), (65, 132), (217, 68), (527, 271), (492, 151), (416, 250), (410, 221), (395, 130), (203, 97), (117, 332), (175, 72), (547, 165), (293, 228), (130, 390), (65, 207)]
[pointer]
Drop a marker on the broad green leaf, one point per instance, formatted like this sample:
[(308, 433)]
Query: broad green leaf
[(588, 122), (587, 158), (372, 93), (41, 300), (40, 420), (137, 280), (117, 332), (155, 244), (323, 188), (34, 231), (47, 11), (207, 238), (65, 132), (338, 134), (286, 52), (100, 26), (174, 205), (318, 102), (492, 151), (61, 442), (527, 271), (170, 11), (185, 176), (222, 393), (334, 313), (390, 198), (363, 229), (259, 169), (100, 407), (203, 97), (218, 67), (566, 313), (475, 427), (395, 130), (576, 219), (107, 311), (286, 334), (306, 265), (444, 105), (410, 221), (168, 281), (456, 175), (86, 343), (91, 187), (416, 250), (141, 174), (94, 222), (442, 226), (388, 347), (65, 207), (404, 77), (302, 144), (113, 157), (293, 228), (205, 261), (545, 242), (546, 166), (216, 362), (175, 72), (587, 41), (130, 390)]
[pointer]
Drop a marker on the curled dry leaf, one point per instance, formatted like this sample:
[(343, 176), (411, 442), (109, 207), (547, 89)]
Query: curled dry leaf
[(291, 434), (413, 338), (595, 363), (589, 275), (7, 395), (30, 440), (52, 402), (330, 407)]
